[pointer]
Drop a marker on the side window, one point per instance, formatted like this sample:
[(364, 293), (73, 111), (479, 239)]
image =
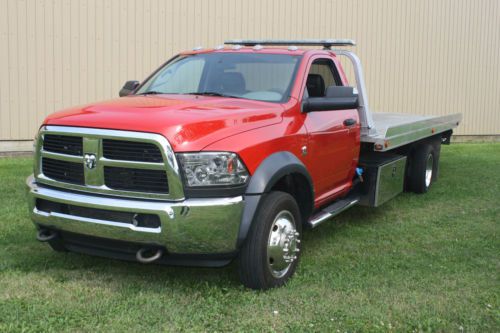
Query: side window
[(322, 74)]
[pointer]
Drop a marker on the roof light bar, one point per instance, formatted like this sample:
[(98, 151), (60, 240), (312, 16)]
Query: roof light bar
[(326, 43)]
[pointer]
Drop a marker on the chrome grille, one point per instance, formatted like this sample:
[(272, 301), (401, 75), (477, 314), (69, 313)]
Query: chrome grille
[(122, 163)]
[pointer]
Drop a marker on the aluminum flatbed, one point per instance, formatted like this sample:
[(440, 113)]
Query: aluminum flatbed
[(392, 130)]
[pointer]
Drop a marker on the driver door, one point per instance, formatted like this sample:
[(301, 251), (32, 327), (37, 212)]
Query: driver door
[(333, 143)]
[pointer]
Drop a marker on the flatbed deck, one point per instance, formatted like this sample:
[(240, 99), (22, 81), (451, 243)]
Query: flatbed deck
[(387, 131), (392, 130)]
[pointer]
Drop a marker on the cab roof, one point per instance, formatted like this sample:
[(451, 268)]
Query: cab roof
[(246, 49)]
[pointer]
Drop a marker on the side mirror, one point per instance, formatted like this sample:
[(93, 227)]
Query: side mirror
[(128, 88), (337, 98)]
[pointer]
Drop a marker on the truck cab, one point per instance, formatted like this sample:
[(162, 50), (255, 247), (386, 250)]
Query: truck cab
[(226, 154)]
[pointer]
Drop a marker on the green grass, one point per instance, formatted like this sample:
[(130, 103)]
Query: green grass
[(418, 263)]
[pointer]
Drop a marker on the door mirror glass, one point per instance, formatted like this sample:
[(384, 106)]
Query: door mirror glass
[(336, 98), (129, 88)]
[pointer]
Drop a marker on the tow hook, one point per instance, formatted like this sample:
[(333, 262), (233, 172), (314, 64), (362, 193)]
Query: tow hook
[(148, 255), (45, 235)]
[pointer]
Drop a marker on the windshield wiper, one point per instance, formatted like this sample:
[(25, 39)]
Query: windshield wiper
[(211, 93), (202, 93), (152, 92)]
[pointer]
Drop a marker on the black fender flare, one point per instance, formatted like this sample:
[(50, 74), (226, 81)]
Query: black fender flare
[(269, 172)]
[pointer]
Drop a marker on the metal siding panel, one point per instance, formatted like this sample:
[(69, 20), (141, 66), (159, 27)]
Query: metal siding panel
[(22, 61), (133, 29), (74, 54), (123, 41), (91, 51), (13, 70), (5, 86), (116, 77), (153, 33), (58, 76), (422, 56), (496, 68), (145, 48), (66, 54), (99, 74), (38, 58), (31, 119), (83, 50), (107, 51), (493, 26), (45, 58)]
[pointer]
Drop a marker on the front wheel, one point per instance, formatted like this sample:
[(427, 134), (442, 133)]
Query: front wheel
[(271, 251)]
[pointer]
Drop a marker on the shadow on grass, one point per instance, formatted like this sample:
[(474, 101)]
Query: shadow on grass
[(41, 259), (34, 257)]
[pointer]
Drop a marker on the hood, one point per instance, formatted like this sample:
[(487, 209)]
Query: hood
[(189, 122)]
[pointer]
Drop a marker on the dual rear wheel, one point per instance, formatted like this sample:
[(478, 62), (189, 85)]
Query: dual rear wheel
[(422, 169)]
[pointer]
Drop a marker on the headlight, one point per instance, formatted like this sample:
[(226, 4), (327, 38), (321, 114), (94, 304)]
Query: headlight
[(213, 169)]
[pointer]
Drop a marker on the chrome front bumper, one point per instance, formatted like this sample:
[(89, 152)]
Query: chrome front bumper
[(192, 226)]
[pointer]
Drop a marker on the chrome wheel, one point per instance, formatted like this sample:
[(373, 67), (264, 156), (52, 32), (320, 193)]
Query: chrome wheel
[(428, 170), (283, 244)]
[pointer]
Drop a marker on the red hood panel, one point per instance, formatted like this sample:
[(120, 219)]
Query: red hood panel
[(189, 122)]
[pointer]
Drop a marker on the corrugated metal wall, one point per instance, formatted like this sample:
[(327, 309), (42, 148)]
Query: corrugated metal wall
[(420, 56)]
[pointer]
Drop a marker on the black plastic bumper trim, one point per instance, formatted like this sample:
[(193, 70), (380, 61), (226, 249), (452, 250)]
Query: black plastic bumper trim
[(122, 250)]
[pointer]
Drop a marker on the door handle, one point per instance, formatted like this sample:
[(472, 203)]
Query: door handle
[(349, 122)]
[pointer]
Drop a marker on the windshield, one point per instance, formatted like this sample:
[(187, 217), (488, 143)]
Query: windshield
[(263, 77)]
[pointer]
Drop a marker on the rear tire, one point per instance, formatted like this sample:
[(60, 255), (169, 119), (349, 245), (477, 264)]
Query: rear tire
[(269, 256), (423, 167)]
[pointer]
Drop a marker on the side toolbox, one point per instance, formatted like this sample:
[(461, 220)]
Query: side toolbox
[(383, 177)]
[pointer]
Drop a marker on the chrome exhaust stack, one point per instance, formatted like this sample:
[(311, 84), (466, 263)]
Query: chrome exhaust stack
[(148, 255)]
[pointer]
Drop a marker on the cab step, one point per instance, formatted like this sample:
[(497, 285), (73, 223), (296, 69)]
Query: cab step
[(332, 210)]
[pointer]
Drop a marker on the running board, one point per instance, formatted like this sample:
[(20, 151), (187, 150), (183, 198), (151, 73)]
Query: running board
[(332, 210)]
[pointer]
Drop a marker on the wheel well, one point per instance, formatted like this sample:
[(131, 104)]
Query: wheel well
[(298, 187), (446, 137)]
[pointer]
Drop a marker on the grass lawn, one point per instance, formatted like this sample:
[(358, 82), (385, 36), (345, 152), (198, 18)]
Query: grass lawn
[(418, 263)]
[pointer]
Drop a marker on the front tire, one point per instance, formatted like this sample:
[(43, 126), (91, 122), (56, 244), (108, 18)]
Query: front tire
[(270, 254)]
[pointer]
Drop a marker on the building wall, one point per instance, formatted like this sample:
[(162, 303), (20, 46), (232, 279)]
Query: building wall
[(420, 56)]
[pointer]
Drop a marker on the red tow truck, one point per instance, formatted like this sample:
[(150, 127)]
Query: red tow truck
[(226, 154)]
